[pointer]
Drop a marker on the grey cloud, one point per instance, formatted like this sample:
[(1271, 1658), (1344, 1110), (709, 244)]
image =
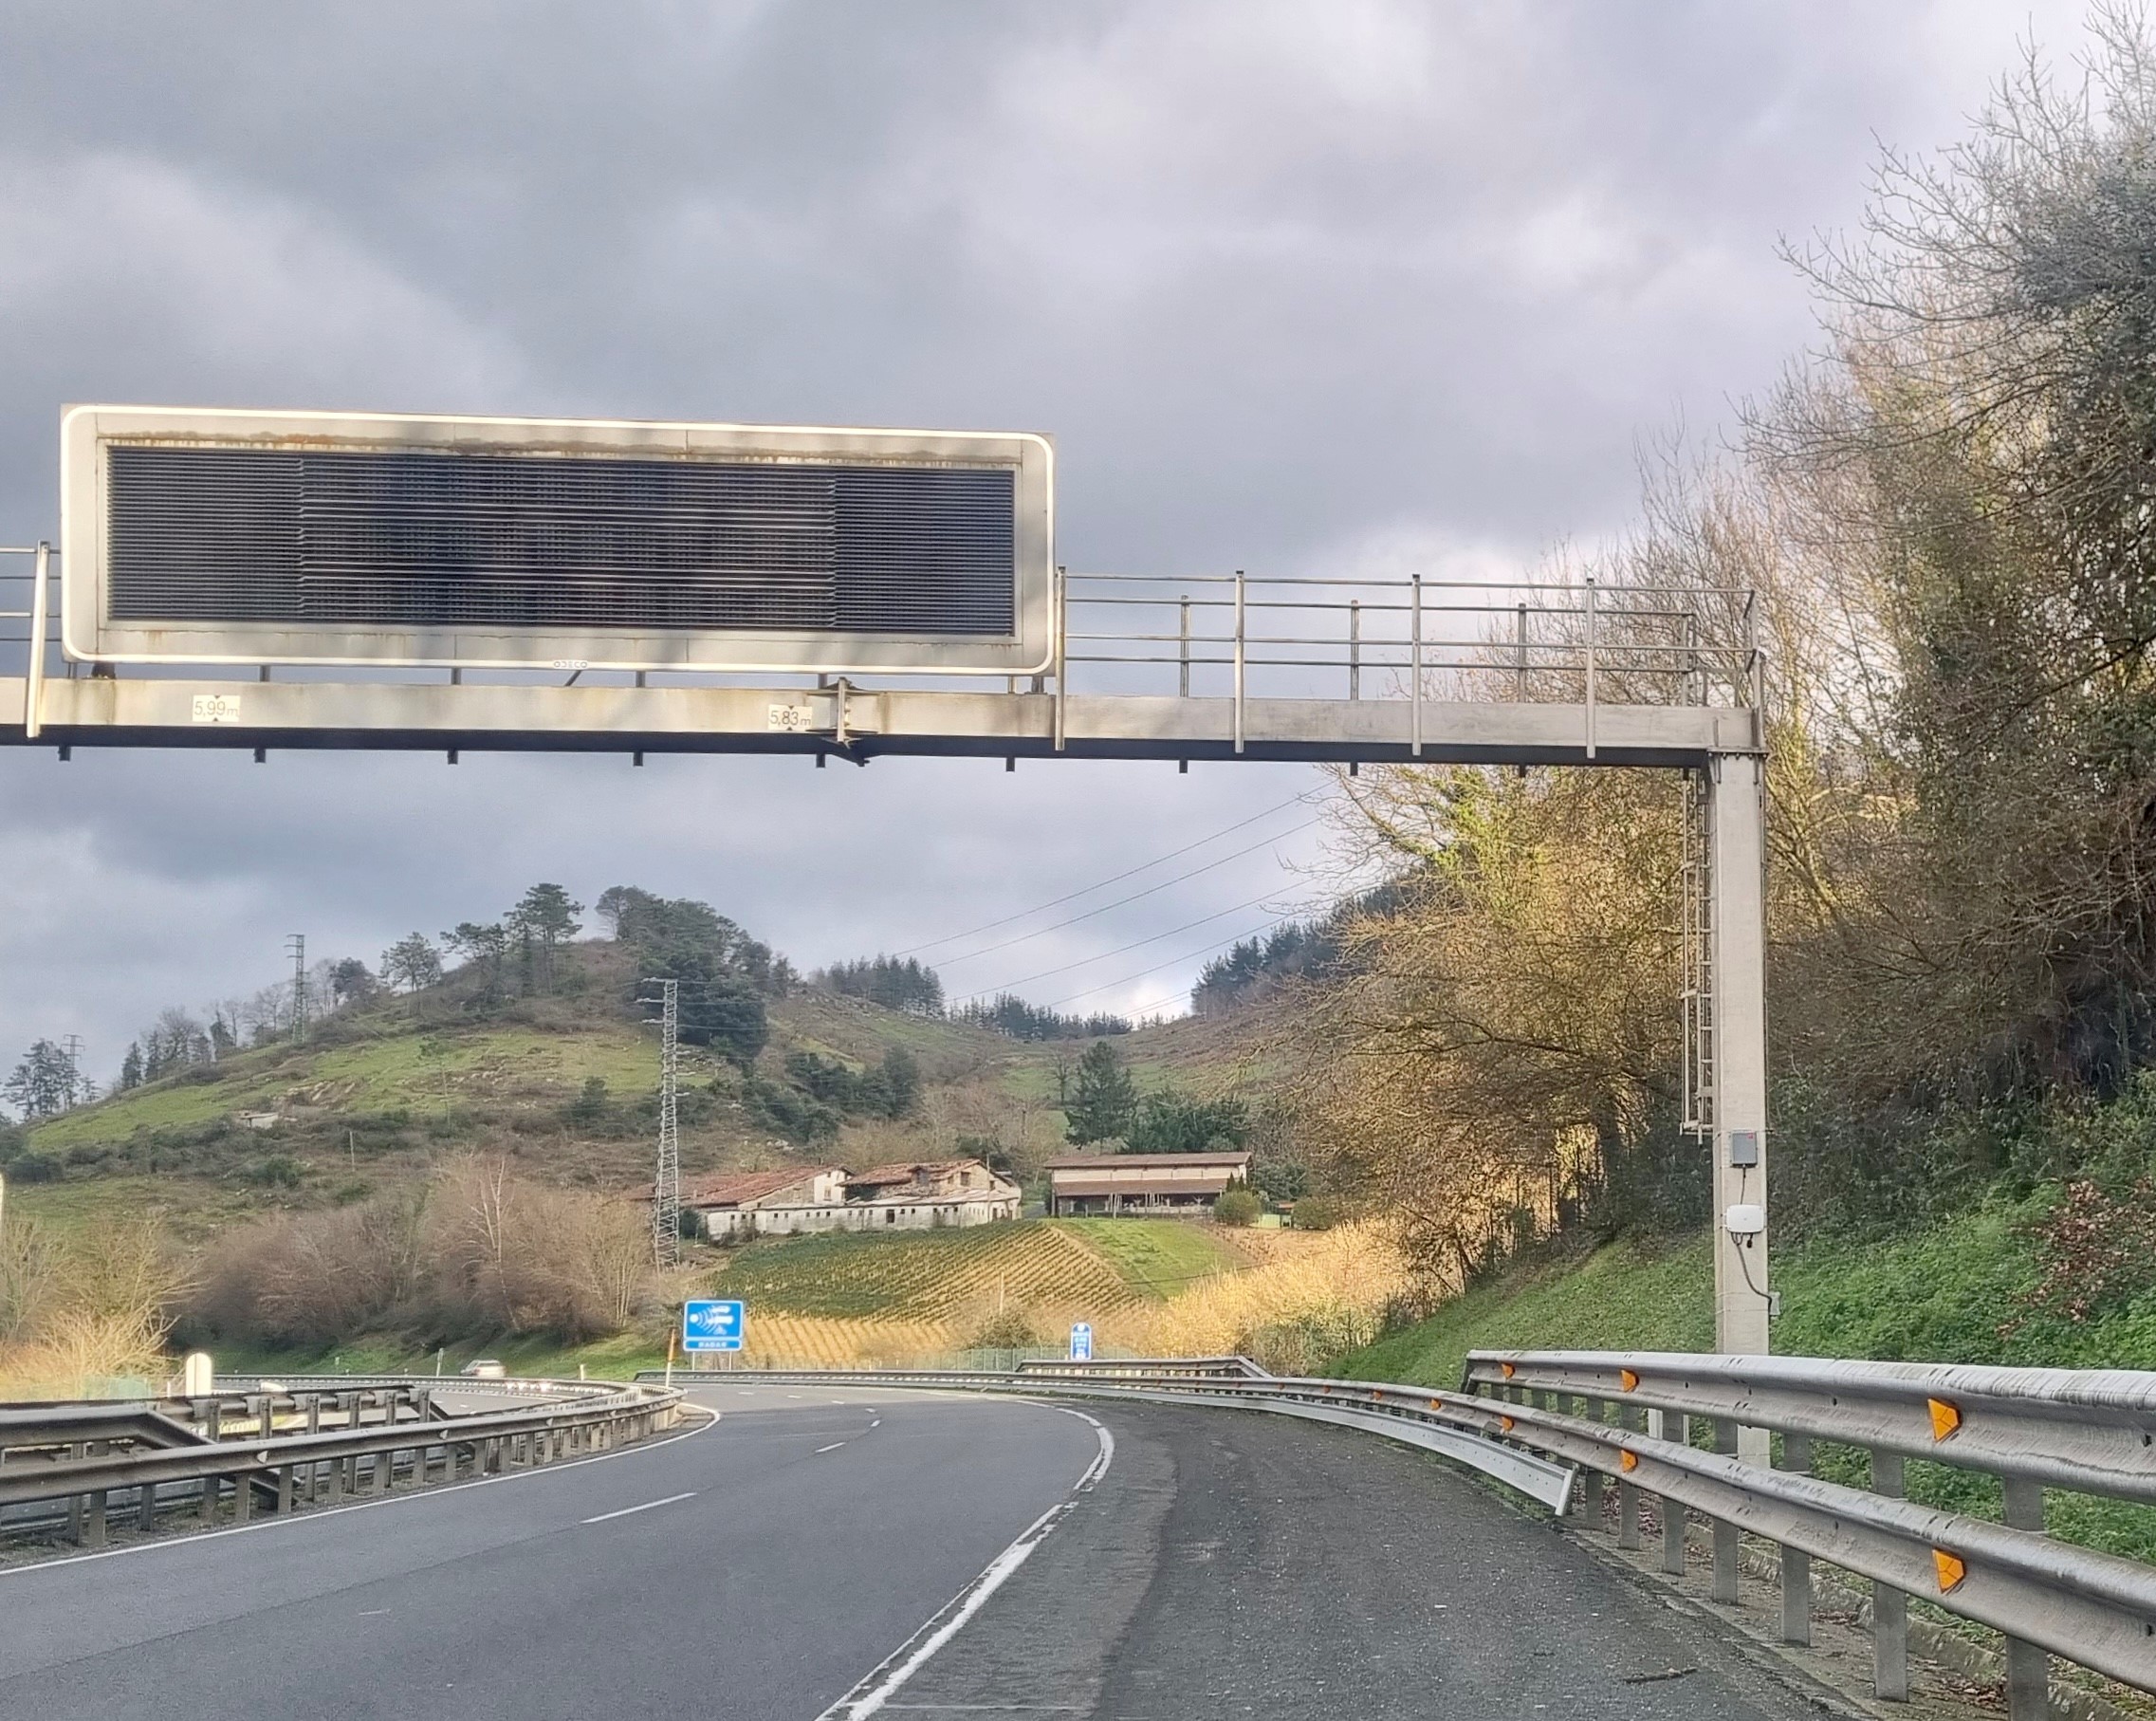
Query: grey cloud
[(1371, 283)]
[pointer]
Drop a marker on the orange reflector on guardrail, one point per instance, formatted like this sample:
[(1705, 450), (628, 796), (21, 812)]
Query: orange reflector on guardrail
[(1945, 1418), (1627, 1380), (1437, 1404), (1505, 1425), (1628, 1461), (1951, 1571), (1506, 1369)]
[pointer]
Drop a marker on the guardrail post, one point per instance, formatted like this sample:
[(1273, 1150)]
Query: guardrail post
[(205, 1508), (1890, 1606), (75, 1501), (1726, 1544), (1628, 1496), (243, 1497), (1796, 1564), (93, 1526), (1671, 1513), (146, 1506), (2027, 1668), (284, 1490)]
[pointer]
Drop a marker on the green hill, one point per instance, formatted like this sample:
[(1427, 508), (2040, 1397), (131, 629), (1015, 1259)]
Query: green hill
[(564, 1086)]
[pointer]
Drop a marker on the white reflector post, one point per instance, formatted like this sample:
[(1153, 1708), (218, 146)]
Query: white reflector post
[(210, 536)]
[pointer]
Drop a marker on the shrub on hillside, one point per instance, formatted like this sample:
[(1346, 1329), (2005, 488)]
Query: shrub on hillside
[(34, 1168), (472, 1253), (1008, 1329), (1318, 1213), (1238, 1206)]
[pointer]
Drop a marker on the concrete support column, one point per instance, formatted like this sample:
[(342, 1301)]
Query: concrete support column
[(1737, 889)]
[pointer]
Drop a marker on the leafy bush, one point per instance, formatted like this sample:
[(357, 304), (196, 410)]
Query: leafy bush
[(34, 1168), (796, 1116), (1173, 1122), (1010, 1328), (1238, 1206), (278, 1171), (1318, 1213)]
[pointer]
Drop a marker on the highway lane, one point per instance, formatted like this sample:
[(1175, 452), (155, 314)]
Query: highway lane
[(799, 1559), (803, 1538)]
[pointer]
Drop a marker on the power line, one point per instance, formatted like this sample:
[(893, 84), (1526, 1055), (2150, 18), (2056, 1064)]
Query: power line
[(1150, 890), (990, 926), (1119, 950), (1205, 951)]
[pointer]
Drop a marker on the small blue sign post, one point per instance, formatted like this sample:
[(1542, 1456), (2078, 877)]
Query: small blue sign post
[(708, 1324), (1082, 1341)]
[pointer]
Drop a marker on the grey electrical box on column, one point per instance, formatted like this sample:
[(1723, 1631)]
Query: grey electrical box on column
[(1743, 1147)]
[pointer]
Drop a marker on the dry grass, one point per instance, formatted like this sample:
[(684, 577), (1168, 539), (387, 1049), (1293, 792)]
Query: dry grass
[(80, 1351), (80, 1311), (1312, 1296), (1305, 1298)]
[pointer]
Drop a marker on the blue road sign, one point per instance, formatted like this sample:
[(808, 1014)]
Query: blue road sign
[(710, 1325), (1082, 1341)]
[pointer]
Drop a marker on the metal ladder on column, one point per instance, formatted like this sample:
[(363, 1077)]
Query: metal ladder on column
[(1696, 955)]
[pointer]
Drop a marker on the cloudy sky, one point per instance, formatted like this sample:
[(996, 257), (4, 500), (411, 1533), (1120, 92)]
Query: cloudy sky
[(1314, 286)]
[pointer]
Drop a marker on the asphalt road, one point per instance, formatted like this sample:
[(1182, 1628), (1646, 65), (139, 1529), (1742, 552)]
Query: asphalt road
[(821, 1551)]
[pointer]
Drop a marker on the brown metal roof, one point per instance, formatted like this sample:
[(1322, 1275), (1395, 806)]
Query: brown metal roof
[(1238, 1159)]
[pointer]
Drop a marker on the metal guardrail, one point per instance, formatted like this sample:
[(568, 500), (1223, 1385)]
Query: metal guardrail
[(1557, 1426), (279, 1443), (1110, 1367)]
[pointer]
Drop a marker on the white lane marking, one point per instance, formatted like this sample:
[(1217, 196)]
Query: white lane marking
[(321, 1514), (832, 1448), (875, 1422), (647, 1506), (882, 1682)]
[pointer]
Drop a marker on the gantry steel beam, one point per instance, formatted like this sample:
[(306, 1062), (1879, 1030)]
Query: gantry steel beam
[(858, 723)]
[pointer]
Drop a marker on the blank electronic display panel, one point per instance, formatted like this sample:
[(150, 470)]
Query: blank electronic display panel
[(504, 541)]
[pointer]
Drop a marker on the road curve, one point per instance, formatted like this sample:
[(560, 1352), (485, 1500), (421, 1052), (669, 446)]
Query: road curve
[(798, 1546), (800, 1558)]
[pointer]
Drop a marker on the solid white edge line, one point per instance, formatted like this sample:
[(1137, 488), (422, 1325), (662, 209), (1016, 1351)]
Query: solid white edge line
[(883, 1681), (832, 1448), (196, 1538), (648, 1505)]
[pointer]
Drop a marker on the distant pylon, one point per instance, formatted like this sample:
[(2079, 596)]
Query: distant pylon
[(296, 947), (665, 1183)]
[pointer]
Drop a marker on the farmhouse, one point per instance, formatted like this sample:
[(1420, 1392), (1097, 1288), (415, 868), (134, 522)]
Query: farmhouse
[(914, 1196), (732, 1204), (918, 1195), (1142, 1183)]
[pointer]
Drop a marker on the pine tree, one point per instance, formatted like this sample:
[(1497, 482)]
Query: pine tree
[(544, 919), (412, 963), (1105, 1103), (131, 1066)]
